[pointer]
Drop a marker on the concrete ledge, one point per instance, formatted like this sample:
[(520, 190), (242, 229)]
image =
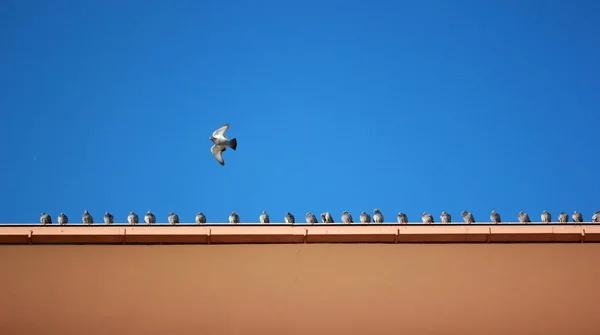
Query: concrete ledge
[(282, 233)]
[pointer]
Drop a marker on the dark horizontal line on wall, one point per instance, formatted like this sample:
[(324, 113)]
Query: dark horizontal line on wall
[(285, 233)]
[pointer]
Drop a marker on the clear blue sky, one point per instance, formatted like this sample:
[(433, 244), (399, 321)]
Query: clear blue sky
[(406, 106)]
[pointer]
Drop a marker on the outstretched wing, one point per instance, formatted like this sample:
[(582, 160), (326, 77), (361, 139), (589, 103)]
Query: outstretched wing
[(220, 133), (218, 153)]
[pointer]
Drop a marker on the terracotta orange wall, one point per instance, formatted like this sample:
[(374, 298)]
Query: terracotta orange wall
[(300, 289)]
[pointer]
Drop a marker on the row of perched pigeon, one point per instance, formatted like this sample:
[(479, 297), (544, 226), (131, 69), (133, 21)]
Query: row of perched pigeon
[(326, 217)]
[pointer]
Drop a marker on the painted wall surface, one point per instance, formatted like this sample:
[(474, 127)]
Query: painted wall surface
[(300, 289)]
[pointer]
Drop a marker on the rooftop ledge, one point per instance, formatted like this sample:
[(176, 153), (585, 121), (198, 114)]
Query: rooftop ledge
[(282, 233)]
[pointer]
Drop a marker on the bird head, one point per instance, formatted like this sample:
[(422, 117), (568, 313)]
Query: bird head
[(521, 213), (376, 210), (464, 213), (86, 212)]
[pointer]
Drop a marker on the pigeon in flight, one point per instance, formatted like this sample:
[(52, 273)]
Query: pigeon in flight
[(108, 218), (446, 217), (289, 218), (234, 218), (563, 217), (264, 218), (311, 218), (200, 218), (524, 218), (546, 217), (365, 218), (596, 217), (346, 217), (468, 217), (377, 216), (150, 218), (221, 143), (132, 218), (63, 219), (45, 219), (326, 217), (402, 218), (427, 218), (577, 217), (173, 218), (495, 217), (87, 218)]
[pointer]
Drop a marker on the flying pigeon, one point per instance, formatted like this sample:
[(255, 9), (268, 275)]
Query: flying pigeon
[(446, 217), (87, 218), (402, 218), (132, 218), (200, 218), (264, 218), (377, 216), (365, 218), (495, 217), (311, 218), (577, 217), (289, 218), (546, 217), (468, 217), (596, 217), (234, 218), (221, 143), (149, 218), (173, 218), (45, 219), (427, 218), (523, 217), (63, 219), (326, 217), (108, 218), (563, 217), (346, 217)]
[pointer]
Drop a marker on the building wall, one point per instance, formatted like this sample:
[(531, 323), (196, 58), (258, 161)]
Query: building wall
[(300, 289)]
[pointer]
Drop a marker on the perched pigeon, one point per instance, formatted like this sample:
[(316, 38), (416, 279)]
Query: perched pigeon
[(377, 216), (200, 218), (468, 217), (87, 218), (495, 217), (402, 218), (45, 219), (546, 217), (132, 218), (346, 217), (563, 217), (234, 218), (289, 218), (427, 218), (264, 218), (221, 143), (173, 218), (326, 217), (63, 219), (596, 217), (446, 217), (108, 218), (523, 217), (577, 217), (149, 218), (311, 218), (365, 218)]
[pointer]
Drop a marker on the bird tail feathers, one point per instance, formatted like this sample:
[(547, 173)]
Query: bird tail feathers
[(233, 143)]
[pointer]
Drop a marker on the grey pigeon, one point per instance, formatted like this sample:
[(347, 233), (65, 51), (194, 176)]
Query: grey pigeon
[(577, 217), (546, 217), (200, 218), (311, 218), (468, 217), (63, 219), (523, 217), (326, 217), (173, 218), (365, 218), (596, 217), (150, 218), (495, 217), (346, 217), (108, 218), (221, 143), (427, 218), (563, 217), (445, 217), (87, 218), (264, 218), (377, 216), (45, 219), (234, 218), (402, 218), (289, 218), (132, 218)]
